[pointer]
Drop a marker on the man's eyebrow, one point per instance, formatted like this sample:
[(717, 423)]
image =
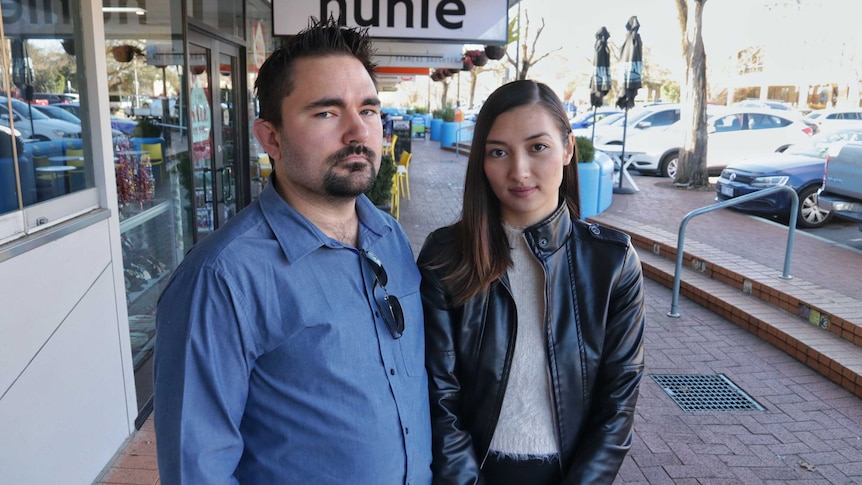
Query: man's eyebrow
[(340, 103)]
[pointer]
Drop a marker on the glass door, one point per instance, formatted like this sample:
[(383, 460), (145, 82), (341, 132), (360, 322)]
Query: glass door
[(215, 138)]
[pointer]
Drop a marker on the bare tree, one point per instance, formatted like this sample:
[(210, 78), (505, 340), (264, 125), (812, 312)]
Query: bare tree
[(528, 57), (691, 166)]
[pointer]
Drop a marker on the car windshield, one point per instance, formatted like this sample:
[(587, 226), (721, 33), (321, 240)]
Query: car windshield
[(611, 119), (59, 113), (818, 145), (23, 110)]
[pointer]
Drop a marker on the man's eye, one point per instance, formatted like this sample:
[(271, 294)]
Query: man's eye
[(325, 114), (370, 112)]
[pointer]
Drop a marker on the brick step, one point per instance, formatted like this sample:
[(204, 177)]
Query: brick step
[(819, 327)]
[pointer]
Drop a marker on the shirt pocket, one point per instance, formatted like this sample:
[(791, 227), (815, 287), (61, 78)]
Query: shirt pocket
[(412, 341)]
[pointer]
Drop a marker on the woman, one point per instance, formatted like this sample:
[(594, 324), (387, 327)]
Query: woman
[(534, 319)]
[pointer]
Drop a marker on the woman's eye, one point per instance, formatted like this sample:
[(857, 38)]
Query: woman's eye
[(496, 153), (539, 147)]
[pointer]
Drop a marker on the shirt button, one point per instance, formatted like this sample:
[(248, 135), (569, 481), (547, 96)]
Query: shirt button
[(377, 314), (595, 229), (392, 371), (406, 430), (543, 242)]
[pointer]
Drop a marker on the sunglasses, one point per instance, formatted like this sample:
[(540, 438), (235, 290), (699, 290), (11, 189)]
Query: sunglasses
[(394, 317)]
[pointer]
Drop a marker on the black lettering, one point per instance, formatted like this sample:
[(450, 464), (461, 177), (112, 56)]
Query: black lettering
[(12, 12), (375, 14), (443, 10), (390, 13), (342, 11), (424, 20)]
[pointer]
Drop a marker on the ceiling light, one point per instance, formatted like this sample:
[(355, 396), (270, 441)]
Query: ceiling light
[(134, 10)]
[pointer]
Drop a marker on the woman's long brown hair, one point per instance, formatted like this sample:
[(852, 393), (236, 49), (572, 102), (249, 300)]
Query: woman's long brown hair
[(481, 254)]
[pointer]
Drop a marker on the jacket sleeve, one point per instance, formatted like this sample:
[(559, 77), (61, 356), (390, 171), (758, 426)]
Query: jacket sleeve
[(454, 458), (607, 432)]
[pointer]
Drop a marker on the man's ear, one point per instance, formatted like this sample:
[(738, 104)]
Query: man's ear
[(268, 137)]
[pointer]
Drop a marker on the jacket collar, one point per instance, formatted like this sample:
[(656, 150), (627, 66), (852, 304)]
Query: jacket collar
[(549, 235)]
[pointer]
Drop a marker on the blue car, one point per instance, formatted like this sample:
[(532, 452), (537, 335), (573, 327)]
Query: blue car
[(587, 118), (800, 166), (127, 127)]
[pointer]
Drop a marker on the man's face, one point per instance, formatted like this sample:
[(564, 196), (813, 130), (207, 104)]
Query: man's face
[(331, 135)]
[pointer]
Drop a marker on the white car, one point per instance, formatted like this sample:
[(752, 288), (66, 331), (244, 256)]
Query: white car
[(734, 133), (32, 123), (829, 119), (637, 120)]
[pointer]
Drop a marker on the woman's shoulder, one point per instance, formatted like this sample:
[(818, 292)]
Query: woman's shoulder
[(439, 242), (591, 231)]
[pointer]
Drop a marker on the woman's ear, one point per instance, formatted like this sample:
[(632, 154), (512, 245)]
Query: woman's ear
[(571, 149)]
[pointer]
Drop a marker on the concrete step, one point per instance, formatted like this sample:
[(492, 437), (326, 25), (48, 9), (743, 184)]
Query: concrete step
[(815, 325)]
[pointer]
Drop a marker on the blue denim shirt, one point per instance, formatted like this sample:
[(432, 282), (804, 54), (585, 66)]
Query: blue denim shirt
[(273, 364)]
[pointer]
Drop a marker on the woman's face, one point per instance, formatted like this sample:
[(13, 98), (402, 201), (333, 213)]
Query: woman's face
[(524, 158)]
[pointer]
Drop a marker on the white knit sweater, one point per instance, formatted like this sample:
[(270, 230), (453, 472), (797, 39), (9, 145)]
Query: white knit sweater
[(526, 425)]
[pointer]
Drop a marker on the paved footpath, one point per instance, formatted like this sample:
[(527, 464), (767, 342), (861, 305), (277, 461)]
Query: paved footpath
[(811, 429)]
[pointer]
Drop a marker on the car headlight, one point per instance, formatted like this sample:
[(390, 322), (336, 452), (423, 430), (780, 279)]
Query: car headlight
[(770, 181)]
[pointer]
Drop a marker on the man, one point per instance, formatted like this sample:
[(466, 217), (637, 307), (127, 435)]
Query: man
[(290, 342)]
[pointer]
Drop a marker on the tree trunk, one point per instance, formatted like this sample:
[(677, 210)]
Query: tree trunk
[(474, 74), (691, 168), (445, 95)]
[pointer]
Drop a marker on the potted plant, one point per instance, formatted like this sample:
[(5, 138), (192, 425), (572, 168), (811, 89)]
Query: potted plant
[(381, 191), (595, 178), (449, 130), (495, 52)]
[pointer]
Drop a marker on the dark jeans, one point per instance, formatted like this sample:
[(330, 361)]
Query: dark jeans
[(499, 470)]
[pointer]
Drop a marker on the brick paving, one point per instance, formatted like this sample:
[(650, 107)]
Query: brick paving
[(811, 429)]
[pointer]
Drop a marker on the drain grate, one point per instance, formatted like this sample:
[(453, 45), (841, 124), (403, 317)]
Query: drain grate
[(698, 393)]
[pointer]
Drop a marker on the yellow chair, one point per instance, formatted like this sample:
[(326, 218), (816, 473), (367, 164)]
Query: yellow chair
[(395, 198), (391, 148), (48, 186), (156, 158), (79, 167), (403, 174), (265, 166)]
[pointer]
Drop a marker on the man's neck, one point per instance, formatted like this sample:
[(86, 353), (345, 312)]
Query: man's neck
[(336, 217)]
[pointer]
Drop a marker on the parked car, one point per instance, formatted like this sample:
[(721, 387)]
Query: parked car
[(842, 181), (826, 119), (57, 112), (800, 167), (588, 117), (734, 133), (126, 127), (637, 120), (34, 124)]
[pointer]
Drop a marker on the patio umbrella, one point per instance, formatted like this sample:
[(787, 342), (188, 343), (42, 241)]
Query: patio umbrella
[(632, 63), (600, 82), (632, 67)]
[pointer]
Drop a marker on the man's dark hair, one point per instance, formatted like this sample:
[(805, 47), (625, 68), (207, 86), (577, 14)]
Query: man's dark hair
[(322, 38)]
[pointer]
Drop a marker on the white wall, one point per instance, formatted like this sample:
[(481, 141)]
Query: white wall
[(64, 398)]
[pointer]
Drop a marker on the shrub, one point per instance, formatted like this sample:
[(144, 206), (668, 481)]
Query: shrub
[(381, 191), (448, 113), (586, 151)]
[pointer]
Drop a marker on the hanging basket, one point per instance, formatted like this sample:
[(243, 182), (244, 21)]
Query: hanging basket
[(480, 59), (495, 52)]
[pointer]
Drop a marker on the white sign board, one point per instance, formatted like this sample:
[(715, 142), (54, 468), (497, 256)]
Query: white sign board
[(452, 21), (408, 54)]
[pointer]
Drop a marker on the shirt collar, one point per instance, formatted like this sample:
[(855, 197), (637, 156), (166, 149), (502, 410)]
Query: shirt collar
[(297, 236)]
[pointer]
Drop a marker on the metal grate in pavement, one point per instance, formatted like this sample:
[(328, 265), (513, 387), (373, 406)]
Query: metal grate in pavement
[(699, 393)]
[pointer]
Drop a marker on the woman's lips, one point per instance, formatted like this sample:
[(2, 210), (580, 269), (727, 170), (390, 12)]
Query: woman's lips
[(522, 191)]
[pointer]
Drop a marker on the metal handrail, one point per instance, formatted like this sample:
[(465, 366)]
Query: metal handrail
[(458, 136), (794, 211)]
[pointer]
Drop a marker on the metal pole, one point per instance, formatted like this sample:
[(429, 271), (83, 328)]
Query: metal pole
[(593, 137)]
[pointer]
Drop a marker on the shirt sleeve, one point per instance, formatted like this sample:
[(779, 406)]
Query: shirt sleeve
[(201, 375)]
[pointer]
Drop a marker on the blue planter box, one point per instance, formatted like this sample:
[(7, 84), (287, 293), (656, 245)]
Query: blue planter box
[(596, 184), (448, 133), (436, 129)]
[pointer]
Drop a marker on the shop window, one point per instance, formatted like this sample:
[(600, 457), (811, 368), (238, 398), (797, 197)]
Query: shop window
[(46, 162)]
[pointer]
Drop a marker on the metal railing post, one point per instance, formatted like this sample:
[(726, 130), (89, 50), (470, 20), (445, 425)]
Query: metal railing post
[(794, 211)]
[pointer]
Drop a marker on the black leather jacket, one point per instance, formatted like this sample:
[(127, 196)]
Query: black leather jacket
[(594, 321)]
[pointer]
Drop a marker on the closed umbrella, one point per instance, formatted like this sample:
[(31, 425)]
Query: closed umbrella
[(631, 57), (600, 82)]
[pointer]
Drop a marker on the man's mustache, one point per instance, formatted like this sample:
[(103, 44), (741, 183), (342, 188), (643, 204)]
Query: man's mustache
[(354, 149)]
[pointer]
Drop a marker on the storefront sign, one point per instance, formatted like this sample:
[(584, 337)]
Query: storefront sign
[(405, 54), (258, 46), (448, 21)]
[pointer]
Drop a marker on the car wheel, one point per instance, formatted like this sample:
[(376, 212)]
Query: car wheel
[(810, 214), (669, 165)]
